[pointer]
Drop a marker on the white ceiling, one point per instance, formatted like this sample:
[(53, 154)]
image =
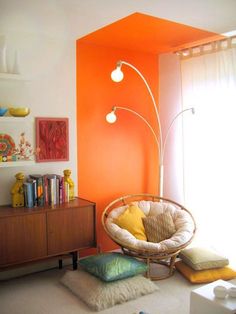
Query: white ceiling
[(76, 18)]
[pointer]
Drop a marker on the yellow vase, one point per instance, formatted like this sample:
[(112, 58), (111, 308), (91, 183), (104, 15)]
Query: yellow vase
[(67, 179)]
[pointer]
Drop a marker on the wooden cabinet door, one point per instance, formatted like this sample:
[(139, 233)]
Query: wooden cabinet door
[(71, 229), (22, 238)]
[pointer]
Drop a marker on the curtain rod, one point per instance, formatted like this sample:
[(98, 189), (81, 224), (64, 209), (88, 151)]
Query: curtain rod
[(210, 46)]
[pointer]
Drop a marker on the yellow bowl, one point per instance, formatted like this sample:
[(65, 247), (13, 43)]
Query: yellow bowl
[(19, 112)]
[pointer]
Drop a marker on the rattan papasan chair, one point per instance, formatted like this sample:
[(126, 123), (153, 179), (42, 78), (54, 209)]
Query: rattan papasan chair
[(164, 252)]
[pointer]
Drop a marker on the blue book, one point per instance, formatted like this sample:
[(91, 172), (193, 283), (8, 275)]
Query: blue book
[(34, 186), (28, 194)]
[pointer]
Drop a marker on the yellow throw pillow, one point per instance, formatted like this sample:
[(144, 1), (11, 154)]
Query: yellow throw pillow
[(207, 275), (131, 220), (159, 228)]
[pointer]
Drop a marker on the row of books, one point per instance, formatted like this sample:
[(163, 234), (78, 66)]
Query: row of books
[(49, 189)]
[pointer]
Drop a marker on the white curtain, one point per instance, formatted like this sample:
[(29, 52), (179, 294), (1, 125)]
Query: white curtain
[(209, 85)]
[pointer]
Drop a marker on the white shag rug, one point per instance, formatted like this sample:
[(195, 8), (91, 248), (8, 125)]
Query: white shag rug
[(99, 295)]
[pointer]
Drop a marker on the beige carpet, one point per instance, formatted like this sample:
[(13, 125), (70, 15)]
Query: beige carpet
[(41, 293)]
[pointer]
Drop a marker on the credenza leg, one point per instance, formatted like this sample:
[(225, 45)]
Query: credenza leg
[(74, 259), (60, 263)]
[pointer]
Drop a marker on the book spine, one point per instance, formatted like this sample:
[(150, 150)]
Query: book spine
[(61, 183), (39, 183), (34, 190), (28, 194), (63, 190), (40, 191), (25, 194), (57, 190), (51, 191), (45, 189), (35, 201)]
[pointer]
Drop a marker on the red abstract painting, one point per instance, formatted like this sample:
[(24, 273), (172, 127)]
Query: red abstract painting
[(52, 139)]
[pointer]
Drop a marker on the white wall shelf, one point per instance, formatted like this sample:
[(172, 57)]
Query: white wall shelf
[(17, 163), (8, 119), (12, 77)]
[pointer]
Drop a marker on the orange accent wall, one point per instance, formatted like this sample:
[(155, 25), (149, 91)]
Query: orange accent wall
[(118, 159), (121, 158), (142, 32)]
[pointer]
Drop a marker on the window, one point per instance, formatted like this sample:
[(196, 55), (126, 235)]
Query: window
[(209, 85)]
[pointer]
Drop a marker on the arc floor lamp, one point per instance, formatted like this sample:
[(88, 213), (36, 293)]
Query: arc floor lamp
[(117, 76)]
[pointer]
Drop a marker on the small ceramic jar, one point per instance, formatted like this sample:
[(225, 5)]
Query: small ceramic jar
[(232, 292), (220, 292)]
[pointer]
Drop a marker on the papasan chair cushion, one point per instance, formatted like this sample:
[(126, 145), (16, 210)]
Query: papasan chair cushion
[(183, 221)]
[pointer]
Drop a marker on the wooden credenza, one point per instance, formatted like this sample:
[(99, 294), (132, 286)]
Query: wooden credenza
[(31, 234)]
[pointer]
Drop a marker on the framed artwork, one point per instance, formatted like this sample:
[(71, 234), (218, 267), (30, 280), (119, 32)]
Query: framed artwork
[(52, 139), (17, 140)]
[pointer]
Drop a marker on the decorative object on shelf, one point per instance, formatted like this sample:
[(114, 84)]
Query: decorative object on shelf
[(7, 146), (3, 47), (17, 191), (220, 292), (232, 292), (24, 151), (69, 181), (19, 111), (117, 76), (3, 111), (16, 68), (52, 139)]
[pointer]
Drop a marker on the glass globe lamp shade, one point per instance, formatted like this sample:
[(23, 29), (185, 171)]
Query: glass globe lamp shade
[(117, 75), (111, 117)]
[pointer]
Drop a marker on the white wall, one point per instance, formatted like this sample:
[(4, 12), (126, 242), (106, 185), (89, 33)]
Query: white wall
[(44, 33), (49, 63), (170, 106)]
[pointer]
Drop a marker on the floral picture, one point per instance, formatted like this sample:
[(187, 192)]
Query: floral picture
[(52, 139), (17, 141), (24, 149)]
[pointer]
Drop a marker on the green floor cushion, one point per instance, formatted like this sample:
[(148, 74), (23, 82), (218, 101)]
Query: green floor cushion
[(201, 258), (112, 266)]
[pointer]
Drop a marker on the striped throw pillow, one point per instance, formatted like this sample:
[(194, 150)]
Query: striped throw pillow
[(159, 228)]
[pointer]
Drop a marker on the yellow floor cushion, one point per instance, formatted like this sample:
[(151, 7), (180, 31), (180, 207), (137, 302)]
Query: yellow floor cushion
[(207, 275)]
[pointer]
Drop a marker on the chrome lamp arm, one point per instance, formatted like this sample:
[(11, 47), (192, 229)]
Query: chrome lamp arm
[(117, 76)]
